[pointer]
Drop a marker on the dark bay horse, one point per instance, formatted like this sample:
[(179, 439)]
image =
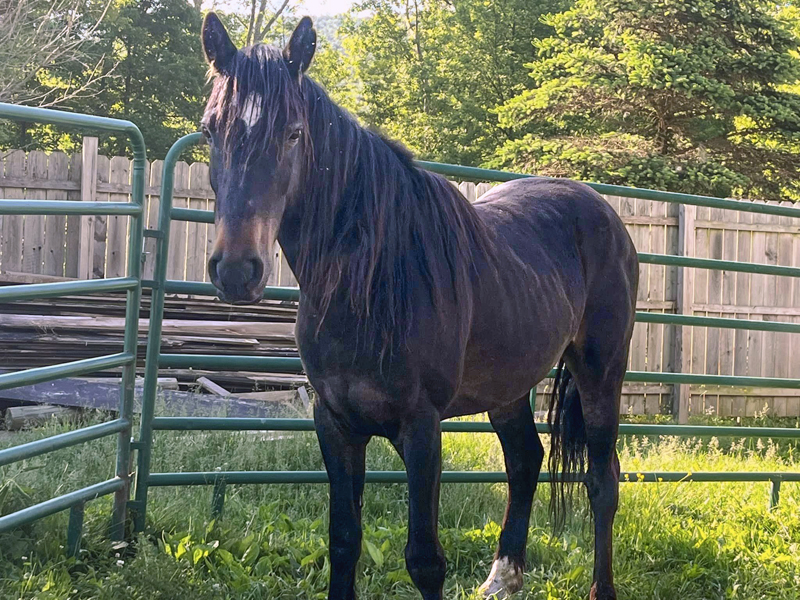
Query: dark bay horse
[(418, 306)]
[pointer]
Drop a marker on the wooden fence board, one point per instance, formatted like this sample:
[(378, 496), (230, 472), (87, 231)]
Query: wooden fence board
[(33, 225), (741, 337), (197, 232), (153, 202), (14, 164), (72, 237), (117, 242), (757, 296), (655, 337), (176, 266), (728, 296), (55, 227), (714, 296), (100, 222)]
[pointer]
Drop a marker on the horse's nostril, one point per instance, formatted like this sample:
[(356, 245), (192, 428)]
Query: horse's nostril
[(213, 264), (256, 266)]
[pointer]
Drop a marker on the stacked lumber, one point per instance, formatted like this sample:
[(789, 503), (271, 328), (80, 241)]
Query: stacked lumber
[(36, 333)]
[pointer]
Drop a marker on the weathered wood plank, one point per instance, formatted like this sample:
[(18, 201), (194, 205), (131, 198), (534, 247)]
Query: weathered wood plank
[(700, 294), (197, 233), (153, 204), (742, 296), (55, 227), (482, 188), (88, 229), (117, 244), (714, 295), (100, 222), (14, 164), (176, 264), (33, 225), (758, 289), (72, 241), (728, 296), (682, 345), (655, 331)]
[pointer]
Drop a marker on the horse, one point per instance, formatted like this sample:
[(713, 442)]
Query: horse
[(417, 306)]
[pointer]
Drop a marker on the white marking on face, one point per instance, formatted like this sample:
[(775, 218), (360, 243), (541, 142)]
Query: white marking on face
[(504, 580), (251, 110)]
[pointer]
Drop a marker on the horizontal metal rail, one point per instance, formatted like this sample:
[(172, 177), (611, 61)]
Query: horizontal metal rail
[(68, 207), (476, 174), (68, 119), (716, 322), (192, 214), (197, 288), (31, 291), (44, 509), (276, 477), (717, 265), (78, 367), (130, 284), (293, 294), (285, 364), (279, 424), (63, 440)]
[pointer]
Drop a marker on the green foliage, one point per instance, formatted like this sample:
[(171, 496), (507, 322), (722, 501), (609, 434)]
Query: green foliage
[(674, 94), (159, 80), (430, 73), (152, 72)]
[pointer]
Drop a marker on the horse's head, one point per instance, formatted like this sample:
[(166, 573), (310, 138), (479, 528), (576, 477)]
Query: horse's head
[(256, 125)]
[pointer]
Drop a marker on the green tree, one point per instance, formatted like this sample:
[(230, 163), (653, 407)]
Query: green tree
[(159, 79), (431, 72), (685, 95)]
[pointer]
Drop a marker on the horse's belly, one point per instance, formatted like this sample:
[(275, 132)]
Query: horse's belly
[(499, 372)]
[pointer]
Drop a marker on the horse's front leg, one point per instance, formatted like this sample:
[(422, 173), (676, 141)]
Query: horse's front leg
[(420, 445), (344, 455)]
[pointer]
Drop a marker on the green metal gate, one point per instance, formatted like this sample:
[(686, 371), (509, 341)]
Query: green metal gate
[(131, 284), (219, 479)]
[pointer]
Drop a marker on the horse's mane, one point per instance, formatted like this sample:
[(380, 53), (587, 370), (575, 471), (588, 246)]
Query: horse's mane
[(370, 216)]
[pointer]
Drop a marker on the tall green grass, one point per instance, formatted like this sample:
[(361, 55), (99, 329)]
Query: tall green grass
[(688, 541)]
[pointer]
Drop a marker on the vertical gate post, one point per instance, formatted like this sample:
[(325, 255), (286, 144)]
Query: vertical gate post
[(774, 493), (131, 340), (683, 334), (75, 530), (218, 499), (145, 442)]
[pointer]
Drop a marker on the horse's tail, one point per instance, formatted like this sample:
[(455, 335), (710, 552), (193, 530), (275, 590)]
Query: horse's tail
[(567, 443)]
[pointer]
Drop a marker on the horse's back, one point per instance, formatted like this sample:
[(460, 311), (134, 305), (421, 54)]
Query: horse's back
[(557, 216)]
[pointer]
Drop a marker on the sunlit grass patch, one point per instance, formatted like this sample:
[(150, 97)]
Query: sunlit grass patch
[(684, 541)]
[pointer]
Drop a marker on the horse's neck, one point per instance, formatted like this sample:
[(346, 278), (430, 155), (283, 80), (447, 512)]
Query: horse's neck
[(289, 237)]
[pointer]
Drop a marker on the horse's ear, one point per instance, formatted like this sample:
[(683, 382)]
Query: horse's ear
[(300, 49), (217, 44)]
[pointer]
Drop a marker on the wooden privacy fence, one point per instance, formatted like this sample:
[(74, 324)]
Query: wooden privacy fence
[(37, 247)]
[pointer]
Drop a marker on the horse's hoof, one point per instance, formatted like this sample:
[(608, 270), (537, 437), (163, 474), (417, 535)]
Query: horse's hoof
[(504, 580), (603, 592)]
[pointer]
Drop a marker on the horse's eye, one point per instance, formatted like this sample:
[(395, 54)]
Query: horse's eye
[(295, 135), (206, 133)]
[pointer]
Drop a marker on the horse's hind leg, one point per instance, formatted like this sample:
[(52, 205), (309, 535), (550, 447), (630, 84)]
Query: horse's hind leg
[(598, 365), (523, 453)]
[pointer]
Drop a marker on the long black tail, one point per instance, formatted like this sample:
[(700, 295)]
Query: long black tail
[(567, 444)]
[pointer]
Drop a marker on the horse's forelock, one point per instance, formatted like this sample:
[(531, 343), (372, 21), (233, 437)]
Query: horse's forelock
[(259, 91)]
